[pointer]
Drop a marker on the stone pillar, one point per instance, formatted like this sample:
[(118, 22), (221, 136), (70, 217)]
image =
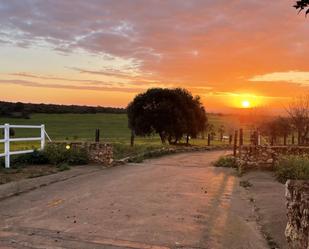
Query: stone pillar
[(297, 229), (101, 153)]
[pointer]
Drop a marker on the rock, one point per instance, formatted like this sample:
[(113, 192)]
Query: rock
[(297, 229), (270, 161)]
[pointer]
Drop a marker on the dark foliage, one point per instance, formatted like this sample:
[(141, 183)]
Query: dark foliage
[(226, 161), (58, 154), (23, 110), (292, 167), (171, 113), (276, 128), (34, 158), (12, 132), (302, 5), (298, 111), (52, 154)]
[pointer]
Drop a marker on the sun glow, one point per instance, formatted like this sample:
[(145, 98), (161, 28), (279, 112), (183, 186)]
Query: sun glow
[(245, 104), (245, 100)]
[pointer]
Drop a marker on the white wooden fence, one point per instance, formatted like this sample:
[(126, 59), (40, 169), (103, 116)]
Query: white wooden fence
[(6, 140)]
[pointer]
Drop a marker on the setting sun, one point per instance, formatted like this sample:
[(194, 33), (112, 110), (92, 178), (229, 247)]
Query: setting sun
[(244, 100), (245, 104)]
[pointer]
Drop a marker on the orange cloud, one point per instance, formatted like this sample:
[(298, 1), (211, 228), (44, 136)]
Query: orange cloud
[(210, 47)]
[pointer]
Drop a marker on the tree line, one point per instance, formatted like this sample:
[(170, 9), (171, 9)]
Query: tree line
[(296, 122), (23, 110)]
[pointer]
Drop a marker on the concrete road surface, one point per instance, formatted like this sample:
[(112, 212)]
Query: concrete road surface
[(177, 201)]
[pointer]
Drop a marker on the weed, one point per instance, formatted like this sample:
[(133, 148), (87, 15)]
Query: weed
[(63, 167), (226, 161), (245, 184), (292, 167)]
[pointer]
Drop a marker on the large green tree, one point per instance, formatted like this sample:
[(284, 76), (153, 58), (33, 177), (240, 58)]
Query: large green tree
[(171, 113)]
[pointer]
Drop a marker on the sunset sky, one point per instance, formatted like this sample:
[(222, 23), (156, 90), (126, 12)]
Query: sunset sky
[(99, 52)]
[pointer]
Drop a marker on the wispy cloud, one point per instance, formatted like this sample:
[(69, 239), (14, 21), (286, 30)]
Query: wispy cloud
[(43, 77), (116, 79), (119, 74), (70, 87), (243, 95), (296, 77)]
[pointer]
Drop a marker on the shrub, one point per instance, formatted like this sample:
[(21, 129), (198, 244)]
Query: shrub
[(63, 167), (34, 158), (53, 153), (2, 162), (226, 161), (78, 156), (58, 154), (292, 167)]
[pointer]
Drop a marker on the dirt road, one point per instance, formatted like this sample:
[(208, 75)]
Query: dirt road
[(177, 201)]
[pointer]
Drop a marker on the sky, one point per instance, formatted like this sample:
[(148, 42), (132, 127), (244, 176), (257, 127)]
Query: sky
[(104, 52)]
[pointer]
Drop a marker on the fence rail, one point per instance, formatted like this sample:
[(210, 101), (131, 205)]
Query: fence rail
[(6, 140)]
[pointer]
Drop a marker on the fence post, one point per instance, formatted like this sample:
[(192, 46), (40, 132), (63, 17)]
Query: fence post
[(254, 138), (241, 137), (235, 143), (230, 139), (284, 139), (208, 139), (42, 137), (241, 142), (7, 145), (97, 135), (258, 138)]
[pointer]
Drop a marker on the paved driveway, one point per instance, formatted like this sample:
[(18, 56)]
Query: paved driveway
[(177, 201)]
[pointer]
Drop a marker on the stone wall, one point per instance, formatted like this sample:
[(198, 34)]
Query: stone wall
[(265, 156), (297, 230), (101, 153)]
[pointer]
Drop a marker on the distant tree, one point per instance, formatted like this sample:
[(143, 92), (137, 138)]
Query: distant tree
[(23, 110), (278, 127), (210, 128), (171, 113), (284, 128), (298, 111), (302, 5), (19, 107), (269, 130), (221, 131)]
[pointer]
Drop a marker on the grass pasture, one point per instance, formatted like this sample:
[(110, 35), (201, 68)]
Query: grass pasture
[(113, 129)]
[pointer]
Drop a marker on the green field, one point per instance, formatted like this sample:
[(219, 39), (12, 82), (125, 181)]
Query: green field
[(113, 128)]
